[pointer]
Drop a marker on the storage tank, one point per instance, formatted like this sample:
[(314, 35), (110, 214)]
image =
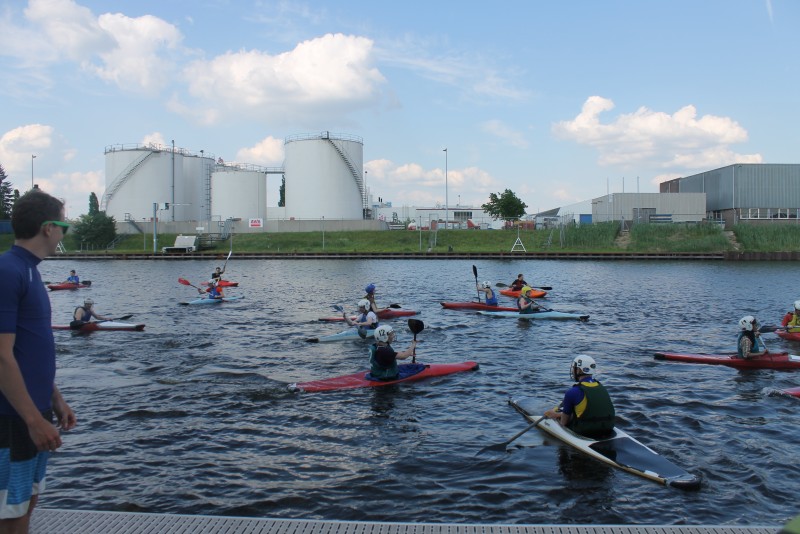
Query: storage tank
[(324, 176), (238, 194), (137, 176)]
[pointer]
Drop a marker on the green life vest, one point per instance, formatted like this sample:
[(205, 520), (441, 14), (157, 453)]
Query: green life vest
[(594, 416)]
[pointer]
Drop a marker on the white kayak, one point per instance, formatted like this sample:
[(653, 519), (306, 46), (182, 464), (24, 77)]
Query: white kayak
[(620, 450), (544, 314), (345, 335), (94, 326), (205, 301)]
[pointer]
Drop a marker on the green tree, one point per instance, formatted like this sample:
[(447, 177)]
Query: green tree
[(282, 193), (6, 195), (95, 228), (94, 205), (506, 206)]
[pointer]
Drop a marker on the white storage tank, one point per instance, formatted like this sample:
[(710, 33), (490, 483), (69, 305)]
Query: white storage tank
[(138, 176), (238, 194), (324, 176)]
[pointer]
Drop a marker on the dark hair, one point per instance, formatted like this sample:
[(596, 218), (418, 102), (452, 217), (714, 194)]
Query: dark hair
[(31, 210)]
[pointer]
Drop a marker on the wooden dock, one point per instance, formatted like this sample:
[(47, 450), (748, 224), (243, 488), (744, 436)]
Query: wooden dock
[(52, 521)]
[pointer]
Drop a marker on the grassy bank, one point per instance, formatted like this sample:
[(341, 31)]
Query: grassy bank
[(596, 238)]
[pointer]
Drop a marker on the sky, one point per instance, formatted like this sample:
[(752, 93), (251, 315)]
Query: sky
[(560, 102)]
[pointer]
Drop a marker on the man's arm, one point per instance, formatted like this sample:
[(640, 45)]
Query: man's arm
[(44, 435)]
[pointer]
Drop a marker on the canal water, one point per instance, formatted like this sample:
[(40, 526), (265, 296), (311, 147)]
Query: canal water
[(193, 414)]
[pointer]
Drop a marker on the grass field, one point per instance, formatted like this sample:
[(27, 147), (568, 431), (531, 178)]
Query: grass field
[(595, 238)]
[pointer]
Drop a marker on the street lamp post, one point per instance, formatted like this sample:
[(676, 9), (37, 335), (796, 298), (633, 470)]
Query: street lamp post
[(33, 156), (446, 213)]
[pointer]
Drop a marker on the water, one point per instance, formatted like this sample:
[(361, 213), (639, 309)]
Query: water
[(193, 415)]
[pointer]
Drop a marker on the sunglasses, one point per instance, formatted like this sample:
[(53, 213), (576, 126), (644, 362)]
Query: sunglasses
[(64, 226)]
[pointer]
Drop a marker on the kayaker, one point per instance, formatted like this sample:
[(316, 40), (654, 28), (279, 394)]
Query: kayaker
[(214, 291), (365, 320), (587, 408), (370, 296), (383, 358), (491, 297), (749, 344), (525, 303), (792, 319), (83, 314), (519, 283), (73, 278), (216, 276)]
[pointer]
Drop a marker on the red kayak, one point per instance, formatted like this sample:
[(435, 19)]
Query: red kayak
[(359, 380), (794, 392), (771, 360), (474, 306), (66, 285), (788, 336), (224, 283), (387, 313), (534, 293)]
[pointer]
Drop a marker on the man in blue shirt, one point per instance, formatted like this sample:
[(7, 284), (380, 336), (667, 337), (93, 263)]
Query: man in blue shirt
[(29, 397), (587, 408)]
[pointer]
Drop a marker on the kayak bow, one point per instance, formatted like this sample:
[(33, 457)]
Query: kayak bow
[(359, 380), (771, 360)]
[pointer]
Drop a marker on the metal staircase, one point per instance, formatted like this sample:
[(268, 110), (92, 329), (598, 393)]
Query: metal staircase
[(356, 173), (122, 178)]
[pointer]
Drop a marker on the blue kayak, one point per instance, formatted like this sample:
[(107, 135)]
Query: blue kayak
[(544, 314), (210, 301)]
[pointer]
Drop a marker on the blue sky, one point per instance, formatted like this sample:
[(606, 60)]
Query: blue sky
[(557, 101)]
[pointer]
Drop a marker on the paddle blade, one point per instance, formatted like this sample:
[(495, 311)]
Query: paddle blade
[(544, 288), (123, 318), (337, 308), (501, 284), (416, 326), (86, 282), (475, 272), (184, 281), (395, 306)]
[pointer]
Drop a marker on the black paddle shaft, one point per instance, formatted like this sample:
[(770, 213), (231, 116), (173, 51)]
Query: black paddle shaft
[(416, 326), (475, 272)]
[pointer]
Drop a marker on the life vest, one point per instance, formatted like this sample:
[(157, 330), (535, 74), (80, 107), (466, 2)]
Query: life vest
[(383, 362), (757, 347), (492, 301), (594, 416), (525, 310), (85, 315)]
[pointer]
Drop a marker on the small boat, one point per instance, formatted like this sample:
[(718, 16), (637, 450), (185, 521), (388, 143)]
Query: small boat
[(350, 334), (386, 313), (209, 301), (408, 372), (475, 306), (94, 326), (69, 285), (223, 283), (787, 335), (619, 450), (543, 314), (770, 360), (534, 294)]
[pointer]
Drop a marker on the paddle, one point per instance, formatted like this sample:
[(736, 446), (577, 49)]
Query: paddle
[(395, 306), (769, 328), (416, 326), (226, 259), (475, 272), (502, 446), (185, 282), (543, 288), (123, 318)]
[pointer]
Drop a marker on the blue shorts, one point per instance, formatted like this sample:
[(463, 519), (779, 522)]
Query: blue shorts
[(22, 467)]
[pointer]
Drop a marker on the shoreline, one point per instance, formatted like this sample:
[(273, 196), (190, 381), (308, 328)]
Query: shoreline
[(719, 256)]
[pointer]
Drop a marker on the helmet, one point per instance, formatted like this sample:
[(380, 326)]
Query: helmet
[(583, 363), (88, 302), (748, 323), (524, 290), (382, 333), (487, 284), (797, 305), (370, 289), (363, 303)]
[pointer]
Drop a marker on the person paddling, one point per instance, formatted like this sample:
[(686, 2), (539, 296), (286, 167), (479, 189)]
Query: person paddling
[(73, 278), (749, 344), (792, 319), (83, 314), (214, 291), (383, 358), (525, 303), (587, 408), (491, 296), (370, 296), (365, 320), (216, 276), (519, 283)]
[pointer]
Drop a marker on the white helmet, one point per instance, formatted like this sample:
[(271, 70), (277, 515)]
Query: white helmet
[(583, 363), (797, 305), (382, 333), (487, 284), (748, 323), (88, 302), (363, 303)]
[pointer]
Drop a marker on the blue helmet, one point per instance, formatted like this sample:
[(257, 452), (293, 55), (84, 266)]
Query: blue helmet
[(370, 289)]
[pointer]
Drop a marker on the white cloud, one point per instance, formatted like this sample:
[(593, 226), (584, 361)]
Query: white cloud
[(154, 139), (653, 138), (268, 152), (17, 146), (503, 131), (333, 70)]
